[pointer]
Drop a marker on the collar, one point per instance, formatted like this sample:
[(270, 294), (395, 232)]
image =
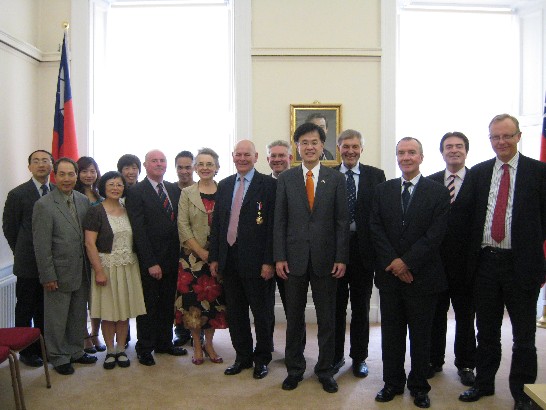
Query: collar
[(249, 175), (414, 181), (315, 170), (513, 163), (356, 169), (460, 173)]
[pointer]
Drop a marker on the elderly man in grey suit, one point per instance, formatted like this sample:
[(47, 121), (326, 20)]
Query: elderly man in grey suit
[(63, 268), (310, 245)]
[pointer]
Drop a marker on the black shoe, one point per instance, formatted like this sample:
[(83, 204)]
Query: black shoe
[(173, 351), (291, 382), (388, 393), (432, 370), (85, 359), (475, 394), (65, 369), (338, 365), (328, 384), (421, 399), (360, 369), (260, 371), (182, 335), (146, 359), (467, 376), (181, 340), (110, 364), (32, 360), (90, 350), (523, 403), (236, 368), (122, 363)]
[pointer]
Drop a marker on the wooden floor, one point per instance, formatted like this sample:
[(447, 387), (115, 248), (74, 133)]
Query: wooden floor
[(175, 383)]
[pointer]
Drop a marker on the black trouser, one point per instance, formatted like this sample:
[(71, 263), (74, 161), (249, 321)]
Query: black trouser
[(29, 309), (241, 293), (495, 288), (323, 289), (400, 312), (155, 328), (358, 283), (461, 297)]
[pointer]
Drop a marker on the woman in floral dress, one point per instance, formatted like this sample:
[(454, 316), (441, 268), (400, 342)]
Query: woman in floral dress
[(200, 303)]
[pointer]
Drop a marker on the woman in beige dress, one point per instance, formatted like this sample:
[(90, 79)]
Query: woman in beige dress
[(116, 289)]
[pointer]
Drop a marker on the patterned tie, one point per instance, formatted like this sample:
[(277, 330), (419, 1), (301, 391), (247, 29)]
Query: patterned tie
[(351, 194), (406, 196), (72, 209), (45, 189), (310, 188), (235, 212), (451, 187), (165, 201), (498, 227)]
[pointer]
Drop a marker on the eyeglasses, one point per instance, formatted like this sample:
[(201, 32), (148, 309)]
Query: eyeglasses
[(497, 138), (205, 165), (313, 143), (41, 161)]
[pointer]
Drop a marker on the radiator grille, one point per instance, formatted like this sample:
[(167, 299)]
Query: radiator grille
[(7, 301)]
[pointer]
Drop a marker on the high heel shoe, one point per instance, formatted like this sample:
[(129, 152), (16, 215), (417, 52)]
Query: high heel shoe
[(98, 346), (197, 361), (92, 349), (216, 359)]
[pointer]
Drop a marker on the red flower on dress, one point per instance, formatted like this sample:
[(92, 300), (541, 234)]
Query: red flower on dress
[(207, 288), (219, 321), (184, 280), (179, 317)]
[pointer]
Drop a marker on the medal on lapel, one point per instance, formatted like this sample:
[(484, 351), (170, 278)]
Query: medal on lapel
[(259, 219)]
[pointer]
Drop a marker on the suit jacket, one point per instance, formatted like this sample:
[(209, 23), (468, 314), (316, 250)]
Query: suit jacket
[(254, 240), (455, 246), (155, 235), (528, 217), (369, 178), (193, 220), (59, 241), (415, 239), (17, 226), (322, 233)]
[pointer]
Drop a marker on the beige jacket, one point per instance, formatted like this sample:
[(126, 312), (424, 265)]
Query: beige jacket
[(192, 218)]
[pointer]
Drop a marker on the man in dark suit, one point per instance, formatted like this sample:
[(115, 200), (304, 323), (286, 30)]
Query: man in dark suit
[(358, 280), (241, 250), (63, 267), (409, 221), (454, 148), (152, 206), (311, 245), (507, 258), (17, 227)]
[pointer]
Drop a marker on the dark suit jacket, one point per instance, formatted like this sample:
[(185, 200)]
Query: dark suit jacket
[(322, 233), (155, 235), (528, 217), (17, 226), (254, 240), (416, 240), (59, 241), (369, 178), (456, 244)]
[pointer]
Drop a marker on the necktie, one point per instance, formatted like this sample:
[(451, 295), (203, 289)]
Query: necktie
[(72, 209), (499, 216), (235, 212), (351, 194), (45, 189), (165, 201), (451, 187), (406, 196), (310, 188)]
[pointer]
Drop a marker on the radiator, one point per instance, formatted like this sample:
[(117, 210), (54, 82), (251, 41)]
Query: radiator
[(7, 301)]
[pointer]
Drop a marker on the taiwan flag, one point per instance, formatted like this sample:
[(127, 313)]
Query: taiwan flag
[(64, 142)]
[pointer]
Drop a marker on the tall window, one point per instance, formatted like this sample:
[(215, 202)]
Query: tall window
[(165, 81), (456, 71)]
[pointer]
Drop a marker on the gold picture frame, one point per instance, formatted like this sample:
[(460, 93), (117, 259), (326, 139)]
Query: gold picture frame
[(332, 114)]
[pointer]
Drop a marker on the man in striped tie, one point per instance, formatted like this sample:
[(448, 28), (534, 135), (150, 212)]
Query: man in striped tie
[(454, 148)]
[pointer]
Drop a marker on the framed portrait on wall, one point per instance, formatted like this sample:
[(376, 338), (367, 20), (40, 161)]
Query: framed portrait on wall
[(326, 116)]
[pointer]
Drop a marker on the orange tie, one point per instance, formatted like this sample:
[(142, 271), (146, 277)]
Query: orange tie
[(310, 188)]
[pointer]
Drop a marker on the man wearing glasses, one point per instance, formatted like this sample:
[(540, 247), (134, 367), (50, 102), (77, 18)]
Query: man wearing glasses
[(507, 259)]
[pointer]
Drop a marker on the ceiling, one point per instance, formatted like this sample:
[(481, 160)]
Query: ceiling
[(514, 4)]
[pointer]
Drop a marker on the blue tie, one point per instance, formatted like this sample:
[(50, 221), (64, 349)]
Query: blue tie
[(406, 196), (45, 189), (351, 194)]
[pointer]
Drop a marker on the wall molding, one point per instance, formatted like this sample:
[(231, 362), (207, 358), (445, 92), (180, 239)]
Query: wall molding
[(28, 49), (319, 52)]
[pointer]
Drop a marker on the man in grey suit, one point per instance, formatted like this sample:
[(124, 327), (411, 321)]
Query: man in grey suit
[(17, 227), (310, 244), (63, 268)]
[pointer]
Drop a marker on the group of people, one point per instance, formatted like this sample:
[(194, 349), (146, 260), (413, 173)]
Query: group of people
[(203, 253)]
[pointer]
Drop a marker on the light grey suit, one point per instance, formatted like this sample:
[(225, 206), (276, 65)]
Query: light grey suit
[(60, 256)]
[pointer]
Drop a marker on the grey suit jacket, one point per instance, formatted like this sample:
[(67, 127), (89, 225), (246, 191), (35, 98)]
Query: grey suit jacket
[(322, 233), (193, 220), (59, 240)]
